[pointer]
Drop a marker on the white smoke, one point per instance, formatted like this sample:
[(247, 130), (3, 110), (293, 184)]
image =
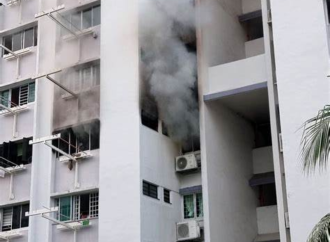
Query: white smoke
[(169, 68)]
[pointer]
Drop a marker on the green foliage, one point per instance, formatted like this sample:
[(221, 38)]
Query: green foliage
[(315, 142), (321, 231)]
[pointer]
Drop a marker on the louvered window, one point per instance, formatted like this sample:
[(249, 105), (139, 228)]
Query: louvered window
[(14, 217), (150, 190)]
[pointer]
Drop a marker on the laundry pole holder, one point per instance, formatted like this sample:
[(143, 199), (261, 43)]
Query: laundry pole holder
[(47, 75), (14, 168), (74, 226), (65, 158)]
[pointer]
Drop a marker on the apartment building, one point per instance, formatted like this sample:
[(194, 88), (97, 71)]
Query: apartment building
[(88, 151)]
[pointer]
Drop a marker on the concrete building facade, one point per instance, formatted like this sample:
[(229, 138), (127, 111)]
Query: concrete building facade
[(83, 158)]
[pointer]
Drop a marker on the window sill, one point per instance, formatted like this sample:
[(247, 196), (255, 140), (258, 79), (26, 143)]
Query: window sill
[(81, 33), (11, 234), (75, 224), (16, 110), (18, 53)]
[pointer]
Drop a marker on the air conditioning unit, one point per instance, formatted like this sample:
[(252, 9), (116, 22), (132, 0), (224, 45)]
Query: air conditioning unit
[(189, 230), (186, 162)]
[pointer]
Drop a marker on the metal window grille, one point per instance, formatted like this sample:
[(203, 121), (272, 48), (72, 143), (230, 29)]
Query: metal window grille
[(150, 190), (76, 202), (167, 196), (7, 219), (189, 206), (23, 95), (199, 205), (94, 205)]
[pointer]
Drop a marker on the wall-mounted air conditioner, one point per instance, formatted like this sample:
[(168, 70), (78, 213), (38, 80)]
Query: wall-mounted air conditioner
[(186, 162), (189, 230)]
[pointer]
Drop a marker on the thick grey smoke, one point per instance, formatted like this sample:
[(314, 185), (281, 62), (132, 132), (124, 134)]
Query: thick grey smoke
[(169, 67)]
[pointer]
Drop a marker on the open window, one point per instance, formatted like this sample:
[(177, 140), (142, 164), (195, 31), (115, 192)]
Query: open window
[(79, 138), (18, 152), (20, 40), (14, 217), (18, 96), (252, 23), (78, 207)]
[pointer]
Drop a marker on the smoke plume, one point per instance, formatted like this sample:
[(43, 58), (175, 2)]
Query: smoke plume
[(169, 66)]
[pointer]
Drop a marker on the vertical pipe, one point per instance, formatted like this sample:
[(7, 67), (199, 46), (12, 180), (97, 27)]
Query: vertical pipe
[(11, 193), (75, 235), (76, 180), (15, 125)]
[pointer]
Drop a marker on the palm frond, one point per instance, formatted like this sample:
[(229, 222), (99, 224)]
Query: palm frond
[(315, 142), (321, 231)]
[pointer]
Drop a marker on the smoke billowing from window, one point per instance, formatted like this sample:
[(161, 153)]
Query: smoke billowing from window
[(167, 31)]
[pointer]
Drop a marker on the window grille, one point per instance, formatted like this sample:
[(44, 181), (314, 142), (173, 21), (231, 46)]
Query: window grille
[(23, 95), (14, 217), (94, 205), (76, 200), (167, 196), (188, 206), (150, 190), (199, 205)]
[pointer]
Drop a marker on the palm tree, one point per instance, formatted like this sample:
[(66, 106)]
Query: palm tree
[(315, 152)]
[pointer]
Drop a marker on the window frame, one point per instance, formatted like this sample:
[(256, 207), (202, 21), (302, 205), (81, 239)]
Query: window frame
[(21, 217), (22, 41), (148, 192), (28, 85), (75, 207), (195, 217)]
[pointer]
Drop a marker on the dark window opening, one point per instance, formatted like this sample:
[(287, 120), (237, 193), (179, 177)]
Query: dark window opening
[(79, 138), (267, 195), (18, 152), (191, 145), (150, 190), (328, 10), (14, 217), (167, 196), (8, 42), (253, 28), (149, 113), (84, 206), (14, 97), (263, 136)]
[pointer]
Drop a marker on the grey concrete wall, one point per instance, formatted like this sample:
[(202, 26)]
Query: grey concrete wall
[(230, 203), (302, 65)]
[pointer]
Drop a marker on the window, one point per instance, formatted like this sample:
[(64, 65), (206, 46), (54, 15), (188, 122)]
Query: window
[(20, 40), (18, 96), (149, 113), (193, 206), (74, 208), (18, 152), (267, 195), (167, 196), (83, 19), (150, 190), (14, 217), (79, 138), (83, 77)]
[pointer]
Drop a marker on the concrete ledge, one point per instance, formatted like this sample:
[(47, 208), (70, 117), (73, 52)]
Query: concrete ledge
[(218, 95), (191, 190)]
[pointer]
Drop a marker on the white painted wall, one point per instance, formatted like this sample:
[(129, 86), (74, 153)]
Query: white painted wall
[(88, 174), (302, 62), (224, 36), (24, 125), (120, 172), (237, 74), (21, 187), (251, 5), (230, 203), (267, 218), (263, 160), (159, 219), (254, 47)]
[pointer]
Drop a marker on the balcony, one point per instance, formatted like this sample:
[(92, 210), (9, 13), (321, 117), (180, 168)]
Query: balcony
[(236, 77)]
